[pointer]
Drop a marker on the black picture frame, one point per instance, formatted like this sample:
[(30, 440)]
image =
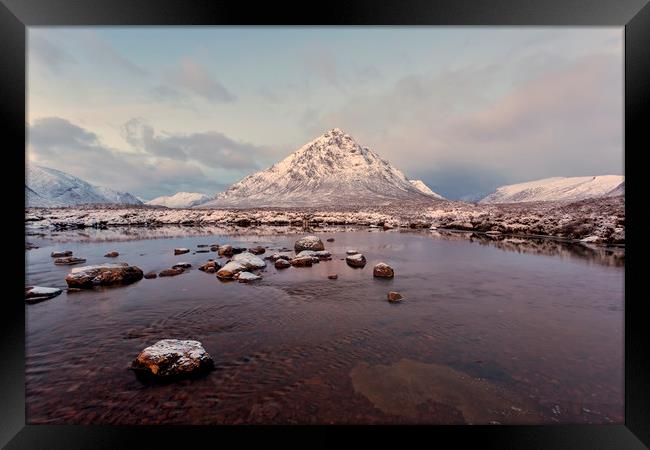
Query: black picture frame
[(16, 15)]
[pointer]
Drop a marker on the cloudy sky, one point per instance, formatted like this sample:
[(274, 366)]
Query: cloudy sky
[(157, 110)]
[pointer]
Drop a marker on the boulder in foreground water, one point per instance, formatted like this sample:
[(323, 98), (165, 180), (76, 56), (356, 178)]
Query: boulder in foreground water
[(112, 254), (173, 358), (35, 294), (69, 260), (356, 260), (309, 243), (103, 275), (249, 261), (181, 250), (150, 275), (61, 254), (229, 270), (383, 270), (282, 264)]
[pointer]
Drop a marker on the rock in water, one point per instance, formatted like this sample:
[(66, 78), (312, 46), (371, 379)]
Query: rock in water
[(303, 261), (180, 251), (333, 277), (249, 261), (383, 270), (171, 272), (357, 260), (68, 261), (173, 358), (210, 267), (245, 277), (282, 264), (330, 240), (257, 250), (35, 294), (225, 250), (150, 275), (394, 296), (103, 275), (309, 243), (276, 256), (229, 270), (351, 252), (112, 255), (61, 254), (182, 265)]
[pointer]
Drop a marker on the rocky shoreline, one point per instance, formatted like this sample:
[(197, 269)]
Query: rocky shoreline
[(595, 221)]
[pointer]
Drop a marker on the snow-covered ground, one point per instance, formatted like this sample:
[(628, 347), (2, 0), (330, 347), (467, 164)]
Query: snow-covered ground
[(420, 186), (603, 218), (180, 200), (559, 189), (50, 187)]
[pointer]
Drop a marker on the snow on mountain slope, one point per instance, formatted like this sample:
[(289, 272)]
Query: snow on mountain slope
[(331, 170), (180, 200), (50, 188), (419, 185), (558, 189)]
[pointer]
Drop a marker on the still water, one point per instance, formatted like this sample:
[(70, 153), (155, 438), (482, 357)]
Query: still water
[(491, 331)]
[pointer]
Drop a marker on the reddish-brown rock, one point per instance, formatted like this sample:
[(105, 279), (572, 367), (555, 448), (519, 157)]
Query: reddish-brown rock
[(383, 270), (103, 275)]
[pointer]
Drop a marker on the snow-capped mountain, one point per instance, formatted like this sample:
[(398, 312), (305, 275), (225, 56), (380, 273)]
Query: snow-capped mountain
[(419, 185), (559, 189), (331, 170), (180, 200), (46, 187)]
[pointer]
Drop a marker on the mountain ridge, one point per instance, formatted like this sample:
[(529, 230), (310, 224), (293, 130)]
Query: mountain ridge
[(47, 187), (558, 189)]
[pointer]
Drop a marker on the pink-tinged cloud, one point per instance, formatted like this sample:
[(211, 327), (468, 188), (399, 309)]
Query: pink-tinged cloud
[(193, 77)]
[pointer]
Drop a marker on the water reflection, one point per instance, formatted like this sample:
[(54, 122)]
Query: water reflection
[(610, 256)]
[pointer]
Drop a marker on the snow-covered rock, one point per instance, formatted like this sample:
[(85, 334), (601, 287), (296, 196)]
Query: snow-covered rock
[(173, 357), (245, 277), (559, 189), (420, 186), (46, 187), (230, 269), (180, 200), (309, 243), (332, 169), (356, 260), (249, 261), (103, 275), (35, 294)]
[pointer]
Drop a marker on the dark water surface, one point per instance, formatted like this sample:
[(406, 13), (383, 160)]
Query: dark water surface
[(500, 331)]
